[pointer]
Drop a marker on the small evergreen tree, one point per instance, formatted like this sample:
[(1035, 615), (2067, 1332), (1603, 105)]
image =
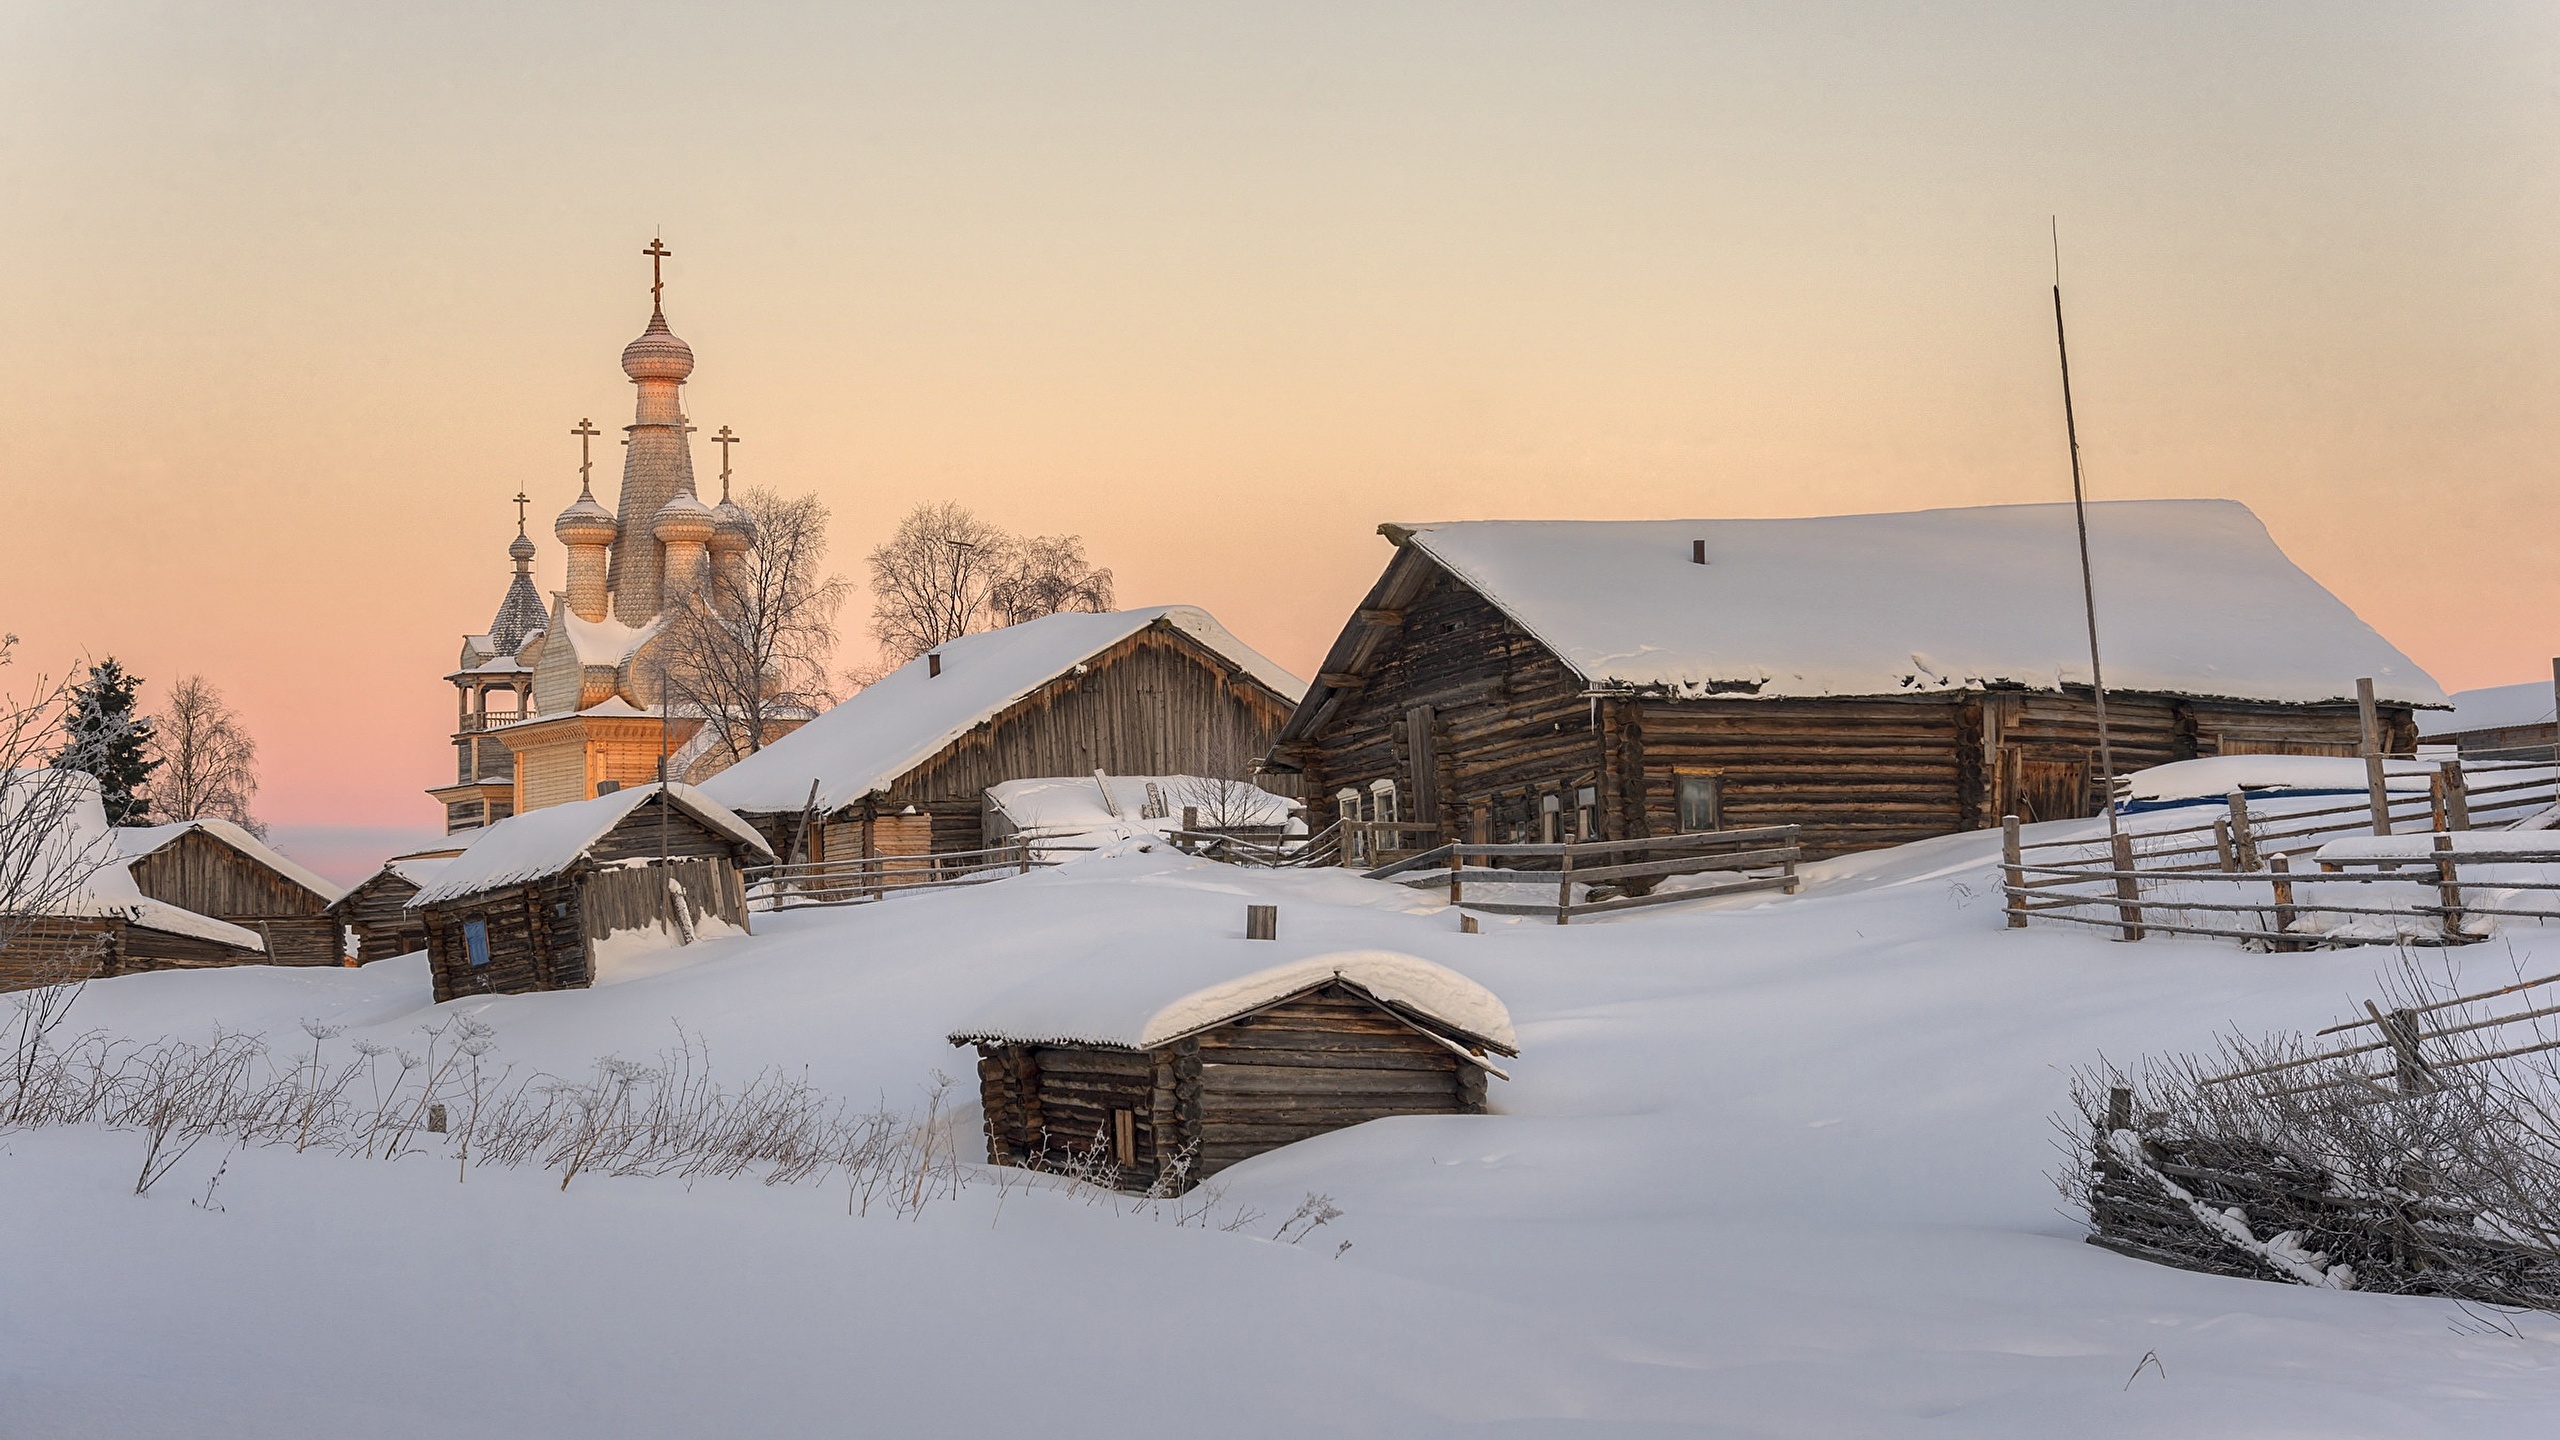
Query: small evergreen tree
[(104, 738)]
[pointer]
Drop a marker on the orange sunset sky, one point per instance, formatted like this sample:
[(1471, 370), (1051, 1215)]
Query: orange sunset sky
[(297, 296)]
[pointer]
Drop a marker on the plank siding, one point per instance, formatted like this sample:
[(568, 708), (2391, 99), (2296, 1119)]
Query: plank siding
[(1157, 703)]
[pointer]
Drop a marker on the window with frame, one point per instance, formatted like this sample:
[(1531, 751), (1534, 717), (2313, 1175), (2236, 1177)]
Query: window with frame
[(475, 941), (1701, 803)]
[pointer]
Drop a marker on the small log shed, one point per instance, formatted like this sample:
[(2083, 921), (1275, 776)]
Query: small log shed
[(1113, 1062), (528, 905), (1873, 679), (216, 868), (377, 910)]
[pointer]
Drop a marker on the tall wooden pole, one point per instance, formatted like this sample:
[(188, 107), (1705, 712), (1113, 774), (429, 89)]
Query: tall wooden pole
[(2369, 726), (2080, 516)]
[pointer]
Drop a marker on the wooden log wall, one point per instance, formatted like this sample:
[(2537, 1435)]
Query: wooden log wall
[(536, 941), (1157, 703), (198, 872), (1509, 723), (49, 950), (1855, 774), (378, 912), (637, 837), (1320, 1062)]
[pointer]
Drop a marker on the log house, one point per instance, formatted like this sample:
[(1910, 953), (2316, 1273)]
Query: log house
[(1527, 681), (216, 868)]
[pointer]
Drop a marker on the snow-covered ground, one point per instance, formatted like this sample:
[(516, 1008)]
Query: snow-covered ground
[(1768, 1167)]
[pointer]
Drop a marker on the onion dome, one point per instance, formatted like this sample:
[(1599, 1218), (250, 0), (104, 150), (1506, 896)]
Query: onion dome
[(585, 523), (683, 519), (657, 354), (732, 529), (521, 551)]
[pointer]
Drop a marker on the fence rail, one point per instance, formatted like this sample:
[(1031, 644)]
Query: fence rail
[(2119, 888), (864, 879), (1763, 858)]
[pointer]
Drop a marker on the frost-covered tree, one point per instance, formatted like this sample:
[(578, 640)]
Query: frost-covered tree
[(752, 648), (104, 738), (946, 573), (208, 762)]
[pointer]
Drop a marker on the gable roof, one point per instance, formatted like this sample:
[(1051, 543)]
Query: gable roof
[(1156, 995), (136, 841), (2496, 707), (2194, 599), (909, 715), (78, 836), (539, 843)]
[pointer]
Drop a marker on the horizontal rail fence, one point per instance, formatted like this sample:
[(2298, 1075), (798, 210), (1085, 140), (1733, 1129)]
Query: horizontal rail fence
[(861, 879), (2254, 875), (1611, 874)]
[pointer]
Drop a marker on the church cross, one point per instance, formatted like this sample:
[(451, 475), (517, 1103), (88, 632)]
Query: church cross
[(657, 253), (521, 502), (724, 440), (586, 433)]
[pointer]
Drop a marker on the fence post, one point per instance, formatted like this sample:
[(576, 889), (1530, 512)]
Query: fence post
[(2222, 844), (2457, 795), (2119, 1108), (1457, 862), (2449, 890), (2377, 793), (2410, 1073), (2128, 890), (2244, 841), (1262, 922), (2013, 871), (2282, 869), (1564, 887)]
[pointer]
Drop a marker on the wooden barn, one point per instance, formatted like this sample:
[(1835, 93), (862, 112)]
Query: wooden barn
[(216, 868), (903, 767), (104, 924), (2500, 722), (1123, 1061), (377, 909), (541, 898), (1874, 679)]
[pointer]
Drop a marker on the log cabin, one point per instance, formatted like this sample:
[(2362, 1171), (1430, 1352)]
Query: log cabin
[(217, 868), (377, 909), (540, 899), (2499, 722), (903, 767), (1134, 1068), (1874, 679), (95, 922)]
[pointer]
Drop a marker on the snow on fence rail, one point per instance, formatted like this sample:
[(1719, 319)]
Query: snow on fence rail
[(860, 880), (2273, 875), (1763, 858)]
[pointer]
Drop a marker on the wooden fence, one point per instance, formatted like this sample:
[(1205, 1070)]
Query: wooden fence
[(860, 880), (2257, 874), (1613, 874), (637, 897)]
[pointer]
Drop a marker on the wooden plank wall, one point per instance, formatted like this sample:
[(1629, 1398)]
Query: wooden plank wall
[(200, 873), (1856, 774), (384, 925), (1319, 1063), (1158, 703), (51, 950)]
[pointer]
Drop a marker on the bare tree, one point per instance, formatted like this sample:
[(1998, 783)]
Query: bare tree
[(1049, 574), (947, 573), (934, 580), (752, 647), (208, 762), (46, 860)]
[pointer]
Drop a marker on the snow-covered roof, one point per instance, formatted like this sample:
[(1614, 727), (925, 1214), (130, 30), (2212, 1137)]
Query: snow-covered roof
[(2218, 775), (1154, 996), (136, 841), (604, 642), (80, 837), (418, 870), (2194, 598), (537, 843), (2495, 708), (907, 716), (1074, 804)]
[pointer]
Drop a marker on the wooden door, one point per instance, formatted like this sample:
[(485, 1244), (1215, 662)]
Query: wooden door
[(2034, 788)]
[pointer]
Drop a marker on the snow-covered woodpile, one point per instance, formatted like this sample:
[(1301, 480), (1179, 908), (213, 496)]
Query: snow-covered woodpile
[(214, 867), (539, 897), (903, 767), (1100, 1072), (1875, 679)]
